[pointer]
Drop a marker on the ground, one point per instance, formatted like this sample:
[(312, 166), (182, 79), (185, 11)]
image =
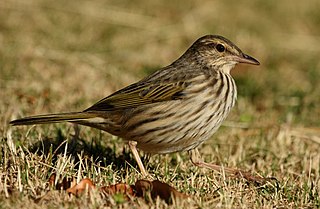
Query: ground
[(58, 56)]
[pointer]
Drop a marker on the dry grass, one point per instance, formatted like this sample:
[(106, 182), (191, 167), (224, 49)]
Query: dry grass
[(60, 56)]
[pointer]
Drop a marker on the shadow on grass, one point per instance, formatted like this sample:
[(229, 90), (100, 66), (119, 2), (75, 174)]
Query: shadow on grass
[(98, 153)]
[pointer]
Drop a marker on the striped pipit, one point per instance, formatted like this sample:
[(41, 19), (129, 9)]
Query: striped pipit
[(174, 109)]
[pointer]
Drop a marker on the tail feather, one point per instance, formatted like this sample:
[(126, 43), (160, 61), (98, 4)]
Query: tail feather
[(52, 118)]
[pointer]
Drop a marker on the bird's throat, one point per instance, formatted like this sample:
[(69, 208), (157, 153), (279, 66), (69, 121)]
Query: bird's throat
[(226, 68)]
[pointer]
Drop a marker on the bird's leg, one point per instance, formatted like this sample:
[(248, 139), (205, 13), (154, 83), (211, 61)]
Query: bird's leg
[(196, 159), (133, 148)]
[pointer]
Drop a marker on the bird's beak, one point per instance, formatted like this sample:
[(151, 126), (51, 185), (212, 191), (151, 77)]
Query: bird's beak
[(244, 58)]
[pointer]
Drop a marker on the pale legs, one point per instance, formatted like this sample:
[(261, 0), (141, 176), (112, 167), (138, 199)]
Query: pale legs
[(133, 148), (196, 159)]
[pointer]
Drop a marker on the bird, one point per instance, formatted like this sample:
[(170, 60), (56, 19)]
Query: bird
[(174, 109)]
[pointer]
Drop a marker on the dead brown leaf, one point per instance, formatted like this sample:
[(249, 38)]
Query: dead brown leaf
[(52, 179), (85, 184), (121, 188), (140, 189), (157, 189)]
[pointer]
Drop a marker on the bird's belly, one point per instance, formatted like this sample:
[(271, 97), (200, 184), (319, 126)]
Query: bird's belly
[(176, 126)]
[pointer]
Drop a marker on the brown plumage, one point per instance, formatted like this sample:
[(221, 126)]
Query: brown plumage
[(174, 109)]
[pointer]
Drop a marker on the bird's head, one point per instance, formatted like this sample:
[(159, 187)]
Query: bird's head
[(219, 53)]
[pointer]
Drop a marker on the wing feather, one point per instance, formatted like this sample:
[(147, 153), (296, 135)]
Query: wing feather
[(140, 94)]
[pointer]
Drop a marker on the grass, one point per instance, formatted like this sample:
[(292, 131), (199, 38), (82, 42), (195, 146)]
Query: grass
[(58, 56)]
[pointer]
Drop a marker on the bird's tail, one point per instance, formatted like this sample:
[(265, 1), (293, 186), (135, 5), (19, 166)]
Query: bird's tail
[(53, 118)]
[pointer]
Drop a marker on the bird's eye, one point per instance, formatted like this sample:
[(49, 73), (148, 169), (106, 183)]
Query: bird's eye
[(220, 48)]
